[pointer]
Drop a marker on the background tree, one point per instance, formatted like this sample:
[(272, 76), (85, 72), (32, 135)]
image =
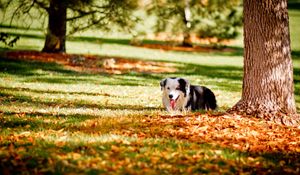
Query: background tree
[(268, 88), (76, 15), (205, 19)]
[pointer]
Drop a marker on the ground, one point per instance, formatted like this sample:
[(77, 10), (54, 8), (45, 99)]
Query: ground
[(68, 113)]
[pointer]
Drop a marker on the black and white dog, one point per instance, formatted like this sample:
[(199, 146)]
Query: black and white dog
[(179, 94)]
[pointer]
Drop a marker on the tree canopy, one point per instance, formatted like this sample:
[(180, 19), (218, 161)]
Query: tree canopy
[(69, 16), (211, 18), (81, 14)]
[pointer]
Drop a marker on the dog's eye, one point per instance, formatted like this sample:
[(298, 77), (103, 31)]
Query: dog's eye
[(178, 88), (168, 88)]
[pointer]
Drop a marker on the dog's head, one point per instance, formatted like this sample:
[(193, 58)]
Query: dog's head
[(175, 89)]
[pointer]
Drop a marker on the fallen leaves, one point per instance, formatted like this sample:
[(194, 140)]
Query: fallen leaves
[(95, 64), (242, 133), (192, 143)]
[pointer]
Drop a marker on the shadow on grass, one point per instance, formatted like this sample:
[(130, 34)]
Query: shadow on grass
[(100, 40), (294, 4), (34, 121), (234, 51), (296, 54), (20, 89), (27, 68), (54, 73), (6, 26), (217, 72), (220, 76), (297, 75), (61, 103)]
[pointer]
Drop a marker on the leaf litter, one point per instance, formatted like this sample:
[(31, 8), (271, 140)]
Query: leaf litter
[(242, 133), (95, 64), (164, 144)]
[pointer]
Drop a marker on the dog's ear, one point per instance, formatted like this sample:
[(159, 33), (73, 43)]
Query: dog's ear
[(184, 85), (187, 86), (163, 83)]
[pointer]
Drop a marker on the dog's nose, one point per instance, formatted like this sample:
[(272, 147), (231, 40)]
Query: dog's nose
[(170, 96)]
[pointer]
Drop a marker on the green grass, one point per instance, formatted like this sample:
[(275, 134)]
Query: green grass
[(59, 121)]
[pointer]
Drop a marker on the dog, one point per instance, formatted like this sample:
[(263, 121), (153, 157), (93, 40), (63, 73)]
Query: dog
[(180, 95)]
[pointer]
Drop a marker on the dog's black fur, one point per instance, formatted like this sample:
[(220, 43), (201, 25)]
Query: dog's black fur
[(201, 98)]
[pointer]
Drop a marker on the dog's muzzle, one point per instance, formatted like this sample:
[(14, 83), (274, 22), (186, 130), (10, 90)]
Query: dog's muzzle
[(173, 101)]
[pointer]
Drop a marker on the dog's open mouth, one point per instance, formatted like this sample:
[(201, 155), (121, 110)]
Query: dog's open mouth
[(173, 102)]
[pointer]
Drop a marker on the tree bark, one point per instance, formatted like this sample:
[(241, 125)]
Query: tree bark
[(57, 26), (268, 87), (187, 21)]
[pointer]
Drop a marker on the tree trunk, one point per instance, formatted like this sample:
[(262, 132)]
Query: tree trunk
[(187, 21), (268, 87), (56, 32)]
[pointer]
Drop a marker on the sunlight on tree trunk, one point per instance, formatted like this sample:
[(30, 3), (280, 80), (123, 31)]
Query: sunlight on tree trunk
[(187, 21), (268, 87), (56, 34)]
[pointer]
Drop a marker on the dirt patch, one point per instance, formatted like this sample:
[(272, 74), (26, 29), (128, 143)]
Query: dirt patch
[(94, 63)]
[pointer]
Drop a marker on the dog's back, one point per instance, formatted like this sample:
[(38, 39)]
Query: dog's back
[(201, 98)]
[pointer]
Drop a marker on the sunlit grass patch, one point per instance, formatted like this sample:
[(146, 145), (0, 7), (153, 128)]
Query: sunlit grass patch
[(101, 99)]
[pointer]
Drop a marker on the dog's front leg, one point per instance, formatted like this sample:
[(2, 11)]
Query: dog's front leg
[(169, 109), (185, 110)]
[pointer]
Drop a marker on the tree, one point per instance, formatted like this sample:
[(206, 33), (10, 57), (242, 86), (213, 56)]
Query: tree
[(187, 20), (268, 88), (57, 27), (205, 19), (74, 15)]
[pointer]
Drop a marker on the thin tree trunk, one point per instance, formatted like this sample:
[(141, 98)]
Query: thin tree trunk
[(56, 34), (268, 87), (187, 21)]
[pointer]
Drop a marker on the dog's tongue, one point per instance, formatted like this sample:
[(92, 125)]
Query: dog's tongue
[(172, 103)]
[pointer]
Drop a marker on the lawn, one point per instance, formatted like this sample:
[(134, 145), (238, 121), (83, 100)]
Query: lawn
[(76, 117)]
